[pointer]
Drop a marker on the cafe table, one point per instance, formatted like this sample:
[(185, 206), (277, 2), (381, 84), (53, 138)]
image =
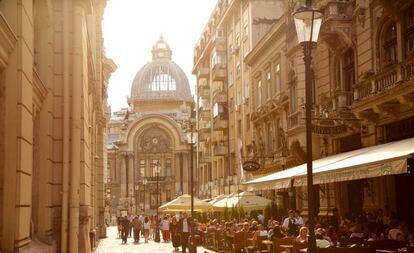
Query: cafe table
[(288, 247), (268, 244)]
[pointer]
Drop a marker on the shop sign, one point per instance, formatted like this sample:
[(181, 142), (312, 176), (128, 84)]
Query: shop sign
[(251, 166)]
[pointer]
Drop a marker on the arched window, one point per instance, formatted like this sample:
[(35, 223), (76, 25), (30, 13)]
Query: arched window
[(389, 45), (292, 92), (348, 73), (409, 26)]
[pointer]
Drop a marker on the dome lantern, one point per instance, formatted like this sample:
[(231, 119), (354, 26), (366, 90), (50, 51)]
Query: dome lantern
[(161, 50)]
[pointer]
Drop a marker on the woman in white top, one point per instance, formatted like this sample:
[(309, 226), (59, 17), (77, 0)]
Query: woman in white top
[(165, 227), (147, 226)]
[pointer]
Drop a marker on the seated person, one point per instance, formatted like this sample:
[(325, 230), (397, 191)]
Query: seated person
[(303, 235), (321, 242)]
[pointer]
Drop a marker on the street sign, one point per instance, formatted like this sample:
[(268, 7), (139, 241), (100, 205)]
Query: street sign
[(251, 166)]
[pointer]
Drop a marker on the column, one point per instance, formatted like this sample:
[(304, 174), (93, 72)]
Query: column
[(18, 134), (122, 182)]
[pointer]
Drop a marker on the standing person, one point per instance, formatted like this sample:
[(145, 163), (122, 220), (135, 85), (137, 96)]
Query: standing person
[(165, 227), (119, 224), (136, 226), (184, 226), (289, 224), (130, 218), (298, 219), (147, 226), (261, 218), (141, 219), (125, 229), (175, 235)]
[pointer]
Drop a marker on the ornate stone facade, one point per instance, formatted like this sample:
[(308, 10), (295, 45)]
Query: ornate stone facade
[(152, 134), (362, 69), (52, 104)]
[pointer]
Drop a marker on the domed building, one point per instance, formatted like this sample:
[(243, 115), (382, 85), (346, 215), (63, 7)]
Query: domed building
[(149, 141)]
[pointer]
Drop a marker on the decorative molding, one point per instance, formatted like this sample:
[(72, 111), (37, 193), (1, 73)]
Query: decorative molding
[(7, 41), (39, 89)]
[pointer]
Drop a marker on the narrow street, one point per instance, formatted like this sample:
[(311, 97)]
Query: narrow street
[(112, 244)]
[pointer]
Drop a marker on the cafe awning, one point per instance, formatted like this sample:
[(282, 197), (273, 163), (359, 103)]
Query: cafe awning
[(379, 160)]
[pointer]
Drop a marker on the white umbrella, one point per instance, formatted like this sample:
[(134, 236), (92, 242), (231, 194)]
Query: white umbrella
[(183, 203), (218, 198), (247, 200)]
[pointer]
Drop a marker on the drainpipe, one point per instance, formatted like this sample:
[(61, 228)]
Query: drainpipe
[(65, 168), (75, 129)]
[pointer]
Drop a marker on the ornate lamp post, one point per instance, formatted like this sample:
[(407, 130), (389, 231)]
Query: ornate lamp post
[(144, 182), (157, 229), (308, 22)]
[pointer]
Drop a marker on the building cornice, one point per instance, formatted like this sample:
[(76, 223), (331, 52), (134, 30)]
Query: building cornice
[(276, 32), (7, 41)]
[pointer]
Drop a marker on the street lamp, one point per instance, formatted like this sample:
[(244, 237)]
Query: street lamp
[(157, 229), (308, 22), (144, 182)]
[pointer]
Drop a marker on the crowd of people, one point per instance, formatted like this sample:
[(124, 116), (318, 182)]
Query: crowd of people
[(176, 229)]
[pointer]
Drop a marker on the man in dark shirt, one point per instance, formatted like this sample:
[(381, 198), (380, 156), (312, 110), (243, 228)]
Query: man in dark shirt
[(125, 229), (184, 227)]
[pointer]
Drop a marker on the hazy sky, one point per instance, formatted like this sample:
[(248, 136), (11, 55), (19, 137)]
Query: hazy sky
[(131, 28)]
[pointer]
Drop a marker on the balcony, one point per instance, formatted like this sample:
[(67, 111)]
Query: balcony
[(220, 150), (378, 84), (205, 157), (338, 10), (204, 92), (220, 122), (203, 83), (385, 95), (219, 44), (219, 72), (205, 114), (204, 133), (203, 72), (219, 96), (295, 120)]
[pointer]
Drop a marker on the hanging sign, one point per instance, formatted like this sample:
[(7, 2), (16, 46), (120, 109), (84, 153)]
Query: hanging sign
[(251, 166)]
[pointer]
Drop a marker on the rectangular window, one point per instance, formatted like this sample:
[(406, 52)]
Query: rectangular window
[(168, 195), (167, 168), (259, 93), (292, 97), (277, 79), (269, 85), (247, 122), (239, 128), (142, 165), (155, 165)]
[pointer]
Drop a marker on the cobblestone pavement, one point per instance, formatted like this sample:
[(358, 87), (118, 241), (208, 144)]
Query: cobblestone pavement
[(112, 244)]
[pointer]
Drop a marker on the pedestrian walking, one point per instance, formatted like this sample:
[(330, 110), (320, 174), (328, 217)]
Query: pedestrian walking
[(136, 226), (147, 226), (175, 234), (184, 224), (165, 228), (125, 229)]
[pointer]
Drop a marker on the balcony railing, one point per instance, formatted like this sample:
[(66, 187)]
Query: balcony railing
[(220, 122), (384, 81), (295, 119), (203, 72), (220, 150), (219, 72), (204, 93), (219, 96), (205, 114), (204, 134), (205, 157)]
